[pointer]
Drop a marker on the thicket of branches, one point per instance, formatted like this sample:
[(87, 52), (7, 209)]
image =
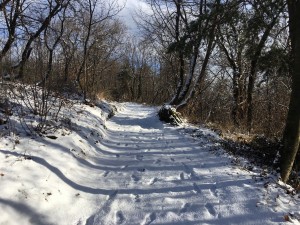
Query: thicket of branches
[(229, 62)]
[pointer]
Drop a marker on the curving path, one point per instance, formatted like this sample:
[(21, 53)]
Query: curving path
[(159, 174), (131, 170)]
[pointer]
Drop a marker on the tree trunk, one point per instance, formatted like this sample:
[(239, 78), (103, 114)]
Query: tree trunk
[(251, 81), (175, 99), (66, 69), (253, 70), (236, 97), (139, 85), (11, 27), (292, 128), (193, 63), (235, 82), (201, 75), (210, 47)]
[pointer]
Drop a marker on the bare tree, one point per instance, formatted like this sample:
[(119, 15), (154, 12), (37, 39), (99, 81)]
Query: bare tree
[(34, 26), (11, 12), (186, 29), (262, 9), (3, 3), (52, 37), (243, 39), (91, 14)]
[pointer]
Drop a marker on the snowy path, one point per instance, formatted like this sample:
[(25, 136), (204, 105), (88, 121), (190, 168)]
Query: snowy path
[(162, 176), (139, 172)]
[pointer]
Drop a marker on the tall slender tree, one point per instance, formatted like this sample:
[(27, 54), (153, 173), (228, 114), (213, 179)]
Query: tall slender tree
[(291, 136)]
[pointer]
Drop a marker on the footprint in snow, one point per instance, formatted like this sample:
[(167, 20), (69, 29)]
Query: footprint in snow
[(172, 159), (153, 181), (105, 173), (190, 171), (135, 178), (141, 170), (124, 167), (112, 195), (181, 176), (139, 157), (149, 219), (137, 198), (157, 161), (196, 188), (210, 209), (119, 217), (79, 222), (185, 208), (213, 191)]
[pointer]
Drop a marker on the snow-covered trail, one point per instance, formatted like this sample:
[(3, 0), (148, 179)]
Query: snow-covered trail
[(160, 175), (133, 170)]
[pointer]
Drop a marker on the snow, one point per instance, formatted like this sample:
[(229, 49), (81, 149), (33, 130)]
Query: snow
[(132, 169)]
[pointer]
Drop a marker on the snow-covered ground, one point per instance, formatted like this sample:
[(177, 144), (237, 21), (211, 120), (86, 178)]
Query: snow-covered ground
[(132, 169)]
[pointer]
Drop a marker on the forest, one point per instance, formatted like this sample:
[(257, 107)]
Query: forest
[(232, 65)]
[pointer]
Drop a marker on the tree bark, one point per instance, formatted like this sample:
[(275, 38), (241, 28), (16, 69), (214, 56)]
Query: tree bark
[(175, 99), (292, 128), (193, 62)]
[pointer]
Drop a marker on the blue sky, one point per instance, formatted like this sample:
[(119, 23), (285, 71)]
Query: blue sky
[(131, 6)]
